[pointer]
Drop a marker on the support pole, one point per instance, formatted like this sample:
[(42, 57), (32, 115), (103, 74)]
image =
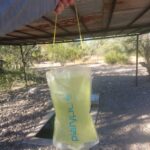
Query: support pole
[(24, 65), (137, 59)]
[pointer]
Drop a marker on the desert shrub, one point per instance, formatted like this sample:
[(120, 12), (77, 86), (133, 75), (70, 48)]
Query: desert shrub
[(8, 79), (114, 57)]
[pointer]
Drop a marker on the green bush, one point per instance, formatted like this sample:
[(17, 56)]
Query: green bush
[(64, 53), (8, 79), (114, 57)]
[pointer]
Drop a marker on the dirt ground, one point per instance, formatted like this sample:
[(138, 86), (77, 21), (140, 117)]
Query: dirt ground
[(124, 121)]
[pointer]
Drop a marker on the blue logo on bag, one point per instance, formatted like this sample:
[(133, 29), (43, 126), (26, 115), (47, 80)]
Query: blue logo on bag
[(72, 119)]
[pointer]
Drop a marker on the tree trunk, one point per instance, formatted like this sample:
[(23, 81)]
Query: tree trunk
[(24, 66)]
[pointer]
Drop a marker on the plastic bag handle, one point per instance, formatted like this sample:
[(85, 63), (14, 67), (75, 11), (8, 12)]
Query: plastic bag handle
[(78, 23)]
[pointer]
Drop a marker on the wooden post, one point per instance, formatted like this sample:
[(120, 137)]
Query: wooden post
[(24, 65), (137, 59)]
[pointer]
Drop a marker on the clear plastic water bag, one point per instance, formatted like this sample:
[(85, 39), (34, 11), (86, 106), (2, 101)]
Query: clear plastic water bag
[(70, 89)]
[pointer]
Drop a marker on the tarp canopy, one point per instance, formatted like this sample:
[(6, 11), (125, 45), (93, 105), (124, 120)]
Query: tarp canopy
[(32, 21), (16, 13)]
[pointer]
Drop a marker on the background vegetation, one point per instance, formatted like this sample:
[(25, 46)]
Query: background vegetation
[(15, 63)]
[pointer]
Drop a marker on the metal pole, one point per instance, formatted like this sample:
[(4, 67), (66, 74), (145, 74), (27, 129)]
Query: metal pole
[(137, 58)]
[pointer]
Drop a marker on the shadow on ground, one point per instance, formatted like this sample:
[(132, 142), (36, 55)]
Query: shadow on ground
[(21, 111), (125, 115)]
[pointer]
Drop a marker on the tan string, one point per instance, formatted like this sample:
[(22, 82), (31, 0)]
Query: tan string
[(79, 28), (55, 30)]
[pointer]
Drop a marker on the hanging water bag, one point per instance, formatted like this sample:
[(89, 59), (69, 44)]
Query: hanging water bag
[(70, 89)]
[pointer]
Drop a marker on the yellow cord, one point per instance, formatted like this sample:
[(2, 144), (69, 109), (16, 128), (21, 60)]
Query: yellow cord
[(55, 30), (79, 28)]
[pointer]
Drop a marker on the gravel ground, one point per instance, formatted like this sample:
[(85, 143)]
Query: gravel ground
[(124, 121)]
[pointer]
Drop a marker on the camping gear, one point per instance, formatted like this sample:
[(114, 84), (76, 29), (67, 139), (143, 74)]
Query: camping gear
[(70, 89)]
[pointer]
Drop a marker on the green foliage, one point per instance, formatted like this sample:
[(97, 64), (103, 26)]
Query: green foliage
[(114, 57), (36, 77), (115, 51), (65, 52), (8, 79), (145, 51), (129, 45), (13, 58), (101, 47)]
